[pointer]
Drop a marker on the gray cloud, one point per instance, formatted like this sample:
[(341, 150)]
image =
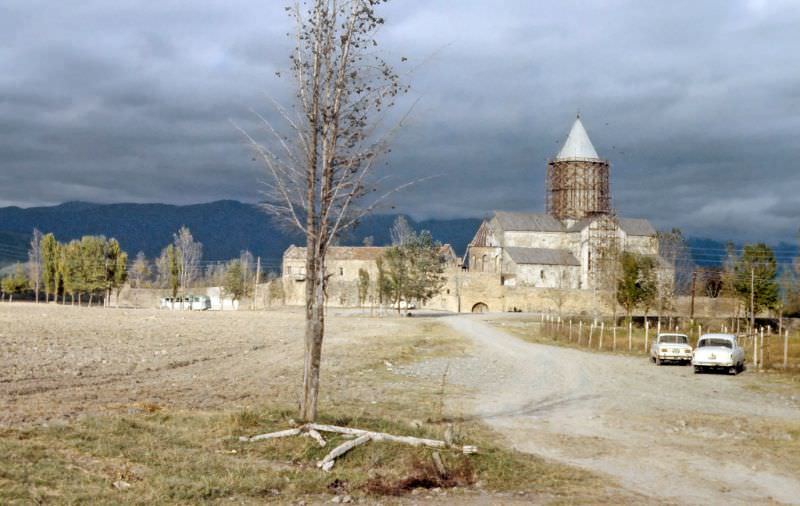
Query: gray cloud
[(696, 104)]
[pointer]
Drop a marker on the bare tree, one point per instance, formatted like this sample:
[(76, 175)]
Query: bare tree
[(140, 271), (318, 179), (401, 232), (35, 263), (190, 253), (673, 248), (162, 269)]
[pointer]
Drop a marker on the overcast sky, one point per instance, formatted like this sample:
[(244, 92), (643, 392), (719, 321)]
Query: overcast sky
[(695, 103)]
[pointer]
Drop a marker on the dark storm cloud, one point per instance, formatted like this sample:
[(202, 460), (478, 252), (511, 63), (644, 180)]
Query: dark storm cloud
[(696, 104)]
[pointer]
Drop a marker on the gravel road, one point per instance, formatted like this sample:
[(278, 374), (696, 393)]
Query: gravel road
[(662, 432)]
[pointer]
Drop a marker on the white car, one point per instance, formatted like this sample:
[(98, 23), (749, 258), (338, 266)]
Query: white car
[(671, 348), (718, 352)]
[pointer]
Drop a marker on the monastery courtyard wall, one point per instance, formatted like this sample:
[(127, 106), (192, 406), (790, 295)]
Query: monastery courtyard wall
[(464, 290)]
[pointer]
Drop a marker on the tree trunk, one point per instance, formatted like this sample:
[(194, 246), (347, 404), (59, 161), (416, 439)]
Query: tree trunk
[(315, 329), (91, 296)]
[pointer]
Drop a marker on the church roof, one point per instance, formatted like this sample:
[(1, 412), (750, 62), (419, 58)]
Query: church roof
[(527, 222), (542, 256), (636, 226), (577, 146)]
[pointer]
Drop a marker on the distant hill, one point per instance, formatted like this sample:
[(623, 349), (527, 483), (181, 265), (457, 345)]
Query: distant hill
[(227, 227), (224, 227), (711, 253)]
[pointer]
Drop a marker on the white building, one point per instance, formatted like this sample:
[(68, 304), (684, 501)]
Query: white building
[(570, 245)]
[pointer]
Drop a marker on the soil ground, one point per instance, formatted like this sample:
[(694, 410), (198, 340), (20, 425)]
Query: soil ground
[(91, 396), (662, 433), (659, 430)]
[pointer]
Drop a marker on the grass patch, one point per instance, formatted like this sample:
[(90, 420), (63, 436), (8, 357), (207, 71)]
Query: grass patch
[(195, 457)]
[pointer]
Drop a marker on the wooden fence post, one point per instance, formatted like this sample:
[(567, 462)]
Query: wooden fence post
[(646, 333), (630, 335), (761, 350), (786, 348), (570, 330), (755, 351), (614, 342), (602, 331), (591, 331), (580, 332)]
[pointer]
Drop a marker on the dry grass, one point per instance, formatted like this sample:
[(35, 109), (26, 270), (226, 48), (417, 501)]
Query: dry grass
[(195, 457), (531, 329), (157, 400)]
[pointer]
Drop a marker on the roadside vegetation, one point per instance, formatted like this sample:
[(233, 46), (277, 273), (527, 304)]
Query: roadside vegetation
[(634, 339)]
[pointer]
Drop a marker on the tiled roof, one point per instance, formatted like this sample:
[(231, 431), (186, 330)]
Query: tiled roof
[(636, 226), (527, 222), (481, 236), (542, 256), (340, 252), (356, 252)]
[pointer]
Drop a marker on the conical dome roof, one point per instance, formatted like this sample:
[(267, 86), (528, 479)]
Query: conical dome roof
[(578, 145)]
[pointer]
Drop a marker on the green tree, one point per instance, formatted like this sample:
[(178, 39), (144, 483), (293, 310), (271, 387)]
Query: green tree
[(637, 285), (71, 269), (174, 264), (116, 269), (414, 270), (15, 283), (627, 287), (756, 269), (363, 286), (234, 284), (49, 249), (648, 282), (93, 265)]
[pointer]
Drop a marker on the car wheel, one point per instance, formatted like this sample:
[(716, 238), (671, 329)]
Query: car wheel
[(658, 361), (733, 370), (697, 369)]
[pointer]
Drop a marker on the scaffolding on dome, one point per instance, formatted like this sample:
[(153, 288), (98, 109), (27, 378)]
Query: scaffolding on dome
[(578, 188)]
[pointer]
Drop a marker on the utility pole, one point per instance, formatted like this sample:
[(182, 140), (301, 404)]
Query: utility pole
[(255, 283), (752, 300), (691, 309)]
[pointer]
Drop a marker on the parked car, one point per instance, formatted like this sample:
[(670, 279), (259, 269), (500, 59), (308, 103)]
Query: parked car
[(671, 348), (718, 352)]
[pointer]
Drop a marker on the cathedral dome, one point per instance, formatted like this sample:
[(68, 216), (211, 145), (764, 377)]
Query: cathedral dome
[(577, 146)]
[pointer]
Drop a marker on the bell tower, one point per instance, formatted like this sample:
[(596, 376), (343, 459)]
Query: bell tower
[(577, 179)]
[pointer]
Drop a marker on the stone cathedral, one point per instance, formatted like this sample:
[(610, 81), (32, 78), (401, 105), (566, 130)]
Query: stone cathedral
[(566, 246)]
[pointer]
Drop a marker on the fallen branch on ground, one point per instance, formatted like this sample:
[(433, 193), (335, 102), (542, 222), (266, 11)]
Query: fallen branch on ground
[(313, 430)]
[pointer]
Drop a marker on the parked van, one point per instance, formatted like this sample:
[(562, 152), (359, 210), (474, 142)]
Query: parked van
[(187, 302)]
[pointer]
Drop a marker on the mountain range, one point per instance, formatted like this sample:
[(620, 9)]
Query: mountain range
[(227, 227)]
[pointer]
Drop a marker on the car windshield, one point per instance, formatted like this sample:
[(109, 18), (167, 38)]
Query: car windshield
[(673, 339), (724, 343)]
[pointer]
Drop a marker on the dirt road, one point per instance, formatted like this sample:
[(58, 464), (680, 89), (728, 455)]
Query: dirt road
[(659, 431)]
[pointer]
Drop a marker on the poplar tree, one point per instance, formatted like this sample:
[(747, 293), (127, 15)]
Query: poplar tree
[(35, 263), (49, 260)]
